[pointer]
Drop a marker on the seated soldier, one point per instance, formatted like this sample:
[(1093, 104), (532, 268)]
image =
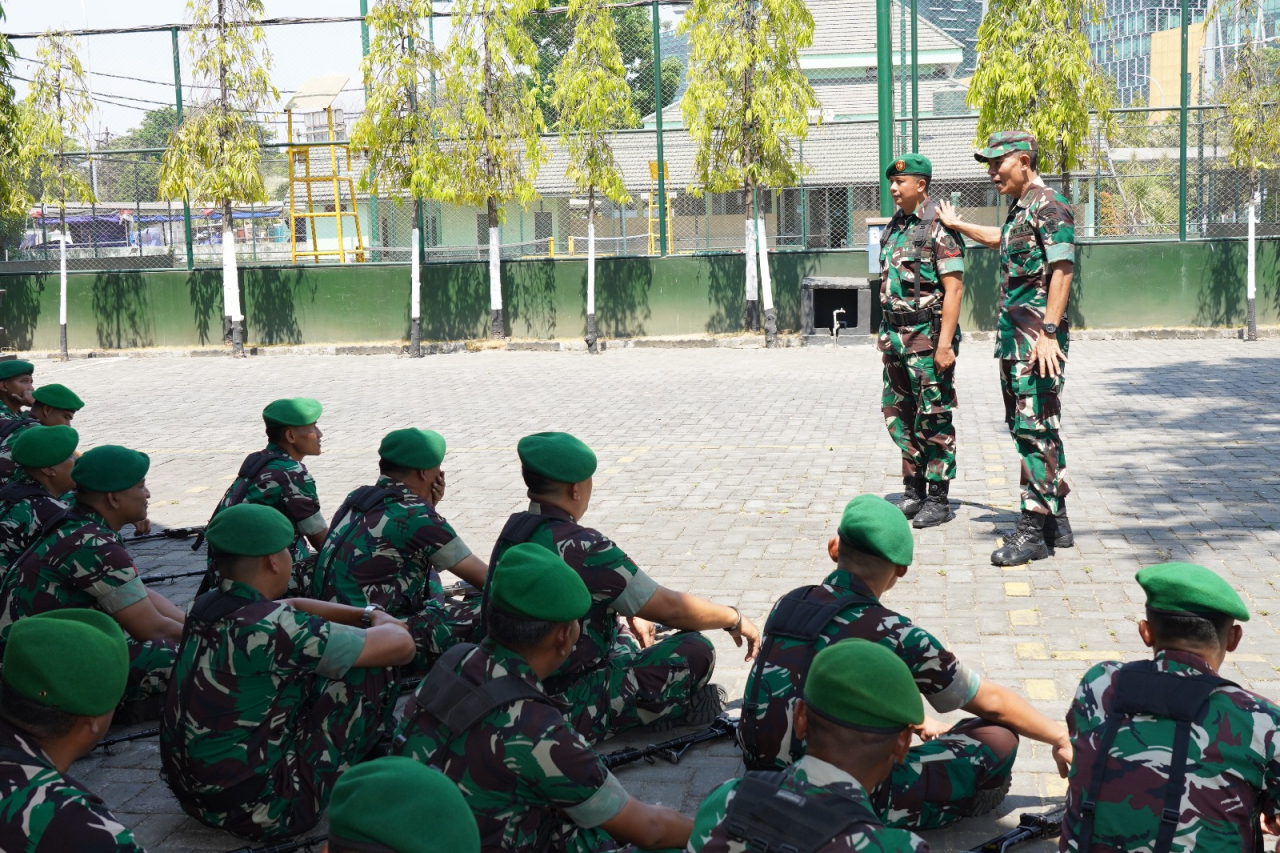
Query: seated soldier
[(15, 388), (961, 771), (482, 717), (272, 700), (29, 502), (276, 477), (609, 682), (398, 805), (1170, 756), (80, 561), (387, 546), (857, 731), (63, 676), (55, 405)]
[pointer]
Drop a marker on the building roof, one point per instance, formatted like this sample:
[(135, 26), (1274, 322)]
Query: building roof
[(849, 26)]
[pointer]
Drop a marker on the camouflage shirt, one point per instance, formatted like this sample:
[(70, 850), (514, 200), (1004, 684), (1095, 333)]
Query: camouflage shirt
[(816, 779), (25, 508), (239, 685), (8, 468), (43, 810), (1039, 231), (392, 555), (287, 486), (616, 584), (82, 562), (520, 766), (772, 692), (1233, 767), (942, 254)]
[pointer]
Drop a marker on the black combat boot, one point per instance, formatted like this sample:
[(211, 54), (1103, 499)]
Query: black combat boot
[(1057, 529), (937, 507), (912, 496), (1026, 543)]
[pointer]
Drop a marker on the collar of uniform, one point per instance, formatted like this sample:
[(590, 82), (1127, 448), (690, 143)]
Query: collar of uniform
[(1182, 660), (509, 660), (241, 590), (551, 510), (849, 582), (89, 514), (1037, 181), (823, 774), (392, 483), (22, 478)]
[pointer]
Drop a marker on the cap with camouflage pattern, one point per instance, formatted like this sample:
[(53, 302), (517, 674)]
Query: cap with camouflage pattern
[(1000, 144)]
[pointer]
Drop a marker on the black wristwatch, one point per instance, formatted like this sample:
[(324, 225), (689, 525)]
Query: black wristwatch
[(366, 619), (1050, 328)]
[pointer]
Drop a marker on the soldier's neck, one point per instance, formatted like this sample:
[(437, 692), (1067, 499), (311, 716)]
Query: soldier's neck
[(1212, 658), (62, 752), (920, 202), (868, 773)]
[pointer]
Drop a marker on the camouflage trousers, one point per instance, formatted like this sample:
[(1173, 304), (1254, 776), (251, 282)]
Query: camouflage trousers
[(1033, 413), (150, 665), (917, 403), (343, 722), (634, 686), (937, 783), (440, 626)]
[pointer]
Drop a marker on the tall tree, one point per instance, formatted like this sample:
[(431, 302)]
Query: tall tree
[(395, 134), (592, 101), (747, 108), (13, 190), (487, 121), (55, 119), (1250, 89), (215, 154), (1036, 73)]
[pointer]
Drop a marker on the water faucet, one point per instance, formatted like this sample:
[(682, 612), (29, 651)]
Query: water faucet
[(835, 322)]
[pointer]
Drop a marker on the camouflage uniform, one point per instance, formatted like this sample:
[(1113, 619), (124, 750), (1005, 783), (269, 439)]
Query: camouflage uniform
[(1233, 767), (43, 810), (82, 562), (818, 780), (8, 468), (290, 488), (528, 777), (609, 683), (940, 778), (25, 508), (266, 712), (392, 555), (917, 399), (1039, 231)]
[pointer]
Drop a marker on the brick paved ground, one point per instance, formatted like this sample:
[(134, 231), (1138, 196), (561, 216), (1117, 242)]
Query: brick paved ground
[(723, 473)]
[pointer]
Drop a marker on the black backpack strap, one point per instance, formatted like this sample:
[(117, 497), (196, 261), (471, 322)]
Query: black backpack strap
[(9, 426), (458, 704), (251, 467), (768, 818), (360, 502), (1141, 688), (16, 492), (519, 528), (45, 530), (216, 605)]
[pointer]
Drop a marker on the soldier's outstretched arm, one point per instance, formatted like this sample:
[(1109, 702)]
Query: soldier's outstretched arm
[(691, 613), (649, 827), (999, 704), (386, 644), (984, 235), (167, 607), (142, 621), (471, 569)]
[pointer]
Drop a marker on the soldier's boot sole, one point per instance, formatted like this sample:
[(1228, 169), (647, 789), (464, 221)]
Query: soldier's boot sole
[(704, 707), (1018, 554), (933, 513), (987, 800), (1057, 529)]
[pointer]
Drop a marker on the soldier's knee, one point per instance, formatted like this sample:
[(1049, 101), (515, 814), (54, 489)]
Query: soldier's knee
[(1001, 740)]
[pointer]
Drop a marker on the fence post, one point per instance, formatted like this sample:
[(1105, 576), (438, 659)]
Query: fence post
[(915, 79), (884, 88), (373, 198), (1183, 100), (177, 98), (662, 163)]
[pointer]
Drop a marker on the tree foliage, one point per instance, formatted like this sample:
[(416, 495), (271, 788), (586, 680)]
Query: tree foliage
[(592, 100), (1251, 91), (215, 154), (393, 130), (13, 191), (1036, 73), (136, 176), (55, 120), (748, 104)]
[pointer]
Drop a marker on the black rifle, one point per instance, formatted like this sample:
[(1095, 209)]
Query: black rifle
[(168, 533), (672, 750), (107, 743), (465, 590), (194, 573), (1031, 827), (285, 846)]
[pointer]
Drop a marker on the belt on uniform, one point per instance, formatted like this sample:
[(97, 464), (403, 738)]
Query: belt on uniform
[(909, 318)]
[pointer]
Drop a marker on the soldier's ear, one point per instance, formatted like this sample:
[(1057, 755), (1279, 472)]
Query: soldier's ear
[(1144, 631), (902, 746), (1234, 634), (800, 719)]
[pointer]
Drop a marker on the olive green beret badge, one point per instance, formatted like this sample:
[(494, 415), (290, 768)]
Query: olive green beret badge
[(910, 164)]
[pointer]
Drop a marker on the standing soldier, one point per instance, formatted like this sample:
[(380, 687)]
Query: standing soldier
[(55, 405), (1037, 255), (1168, 754), (15, 388), (29, 502), (922, 271)]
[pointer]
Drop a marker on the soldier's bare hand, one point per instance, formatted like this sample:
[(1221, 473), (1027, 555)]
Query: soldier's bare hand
[(1062, 756), (1270, 825), (944, 358), (930, 729), (437, 489), (749, 632), (833, 549), (646, 632), (142, 528), (948, 214), (1047, 357)]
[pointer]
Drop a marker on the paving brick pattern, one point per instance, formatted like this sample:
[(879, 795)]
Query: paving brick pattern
[(723, 472)]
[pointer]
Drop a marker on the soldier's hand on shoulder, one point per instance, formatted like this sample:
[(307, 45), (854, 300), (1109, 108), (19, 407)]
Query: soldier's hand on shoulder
[(947, 213)]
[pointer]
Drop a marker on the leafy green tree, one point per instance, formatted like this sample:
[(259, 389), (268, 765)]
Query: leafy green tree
[(487, 121), (55, 119), (592, 101), (215, 155), (395, 135), (137, 176), (1036, 73), (14, 196), (747, 109)]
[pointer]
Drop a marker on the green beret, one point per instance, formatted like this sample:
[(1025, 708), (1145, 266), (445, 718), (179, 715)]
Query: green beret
[(399, 804), (557, 456), (1000, 144), (75, 660), (250, 530), (44, 447), (416, 449), (873, 525), (110, 468), (15, 367), (532, 581), (295, 411), (910, 164), (863, 685), (1188, 589), (58, 397)]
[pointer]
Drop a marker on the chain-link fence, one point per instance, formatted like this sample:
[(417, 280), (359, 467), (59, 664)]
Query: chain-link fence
[(1135, 185)]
